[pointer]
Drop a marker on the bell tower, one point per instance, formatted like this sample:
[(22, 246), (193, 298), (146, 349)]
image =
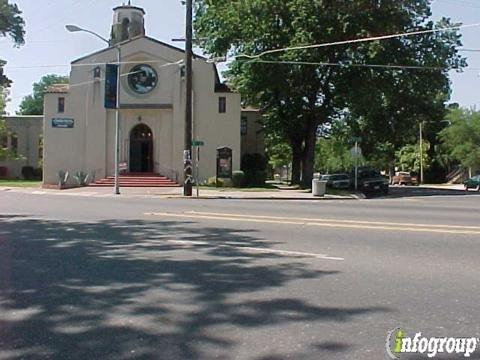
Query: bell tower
[(128, 22)]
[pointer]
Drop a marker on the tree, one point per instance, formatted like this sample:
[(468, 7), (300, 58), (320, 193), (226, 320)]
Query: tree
[(11, 25), (279, 153), (3, 128), (33, 104), (408, 157), (462, 138), (333, 156), (297, 97)]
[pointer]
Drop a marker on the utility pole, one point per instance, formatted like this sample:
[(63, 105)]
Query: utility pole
[(187, 154), (421, 153), (356, 164)]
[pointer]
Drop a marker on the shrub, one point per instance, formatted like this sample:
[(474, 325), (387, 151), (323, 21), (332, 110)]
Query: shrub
[(28, 172), (238, 179), (3, 172), (260, 178), (254, 167), (214, 182), (38, 174)]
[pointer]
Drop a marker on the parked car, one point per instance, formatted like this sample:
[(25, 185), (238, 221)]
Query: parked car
[(371, 182), (337, 181), (404, 178), (472, 183)]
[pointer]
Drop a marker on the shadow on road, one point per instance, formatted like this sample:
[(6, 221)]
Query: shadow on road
[(121, 290)]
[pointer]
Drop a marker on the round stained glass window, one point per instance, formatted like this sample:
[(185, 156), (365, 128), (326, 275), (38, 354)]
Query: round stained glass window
[(142, 79)]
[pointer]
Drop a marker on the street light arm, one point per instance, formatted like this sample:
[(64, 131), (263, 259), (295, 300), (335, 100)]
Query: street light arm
[(74, 28), (98, 36)]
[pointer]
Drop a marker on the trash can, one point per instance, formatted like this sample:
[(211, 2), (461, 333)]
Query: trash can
[(319, 187)]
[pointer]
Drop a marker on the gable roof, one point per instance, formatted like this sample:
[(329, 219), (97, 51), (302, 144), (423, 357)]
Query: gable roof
[(158, 42)]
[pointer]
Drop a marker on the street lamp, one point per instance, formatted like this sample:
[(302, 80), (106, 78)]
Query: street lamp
[(74, 28)]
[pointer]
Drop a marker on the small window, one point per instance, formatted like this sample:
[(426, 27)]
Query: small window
[(14, 143), (40, 147), (222, 105), (244, 126), (97, 73), (61, 105)]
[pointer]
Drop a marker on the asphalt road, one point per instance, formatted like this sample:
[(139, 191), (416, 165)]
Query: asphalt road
[(141, 278)]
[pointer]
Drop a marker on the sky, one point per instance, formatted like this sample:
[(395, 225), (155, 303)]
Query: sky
[(49, 48)]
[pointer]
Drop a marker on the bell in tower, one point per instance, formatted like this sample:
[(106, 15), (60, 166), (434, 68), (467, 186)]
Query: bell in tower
[(128, 22)]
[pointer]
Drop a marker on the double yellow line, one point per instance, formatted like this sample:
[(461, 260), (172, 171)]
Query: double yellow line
[(324, 222)]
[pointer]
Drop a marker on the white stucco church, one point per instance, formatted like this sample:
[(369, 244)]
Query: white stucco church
[(79, 131)]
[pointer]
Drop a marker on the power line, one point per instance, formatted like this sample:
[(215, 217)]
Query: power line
[(88, 64), (100, 79), (354, 41), (387, 66)]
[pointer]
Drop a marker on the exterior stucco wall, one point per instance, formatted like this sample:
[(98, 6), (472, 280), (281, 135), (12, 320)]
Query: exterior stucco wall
[(64, 149), (89, 146), (28, 130), (214, 128)]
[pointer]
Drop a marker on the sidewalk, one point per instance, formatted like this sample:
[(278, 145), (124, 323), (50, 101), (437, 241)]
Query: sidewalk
[(177, 193)]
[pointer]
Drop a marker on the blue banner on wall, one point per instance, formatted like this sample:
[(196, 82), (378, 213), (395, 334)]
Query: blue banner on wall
[(111, 75), (63, 123)]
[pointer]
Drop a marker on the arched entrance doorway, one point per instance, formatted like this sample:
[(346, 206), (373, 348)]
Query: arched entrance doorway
[(141, 149)]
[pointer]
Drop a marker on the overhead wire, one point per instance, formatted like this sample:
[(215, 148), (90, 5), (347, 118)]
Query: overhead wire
[(101, 79), (355, 41), (387, 66)]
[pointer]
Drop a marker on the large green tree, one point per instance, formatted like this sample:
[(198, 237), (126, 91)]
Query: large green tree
[(33, 104), (462, 138), (12, 26), (408, 157), (297, 97)]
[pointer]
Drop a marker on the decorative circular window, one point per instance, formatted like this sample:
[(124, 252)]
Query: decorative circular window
[(142, 79)]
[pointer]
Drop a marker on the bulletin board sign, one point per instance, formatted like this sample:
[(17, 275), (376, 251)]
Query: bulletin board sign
[(63, 123)]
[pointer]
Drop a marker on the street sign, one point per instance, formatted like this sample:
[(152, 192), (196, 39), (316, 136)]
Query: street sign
[(198, 143), (356, 151)]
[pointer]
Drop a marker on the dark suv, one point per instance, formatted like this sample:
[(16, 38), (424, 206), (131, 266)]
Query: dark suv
[(371, 182)]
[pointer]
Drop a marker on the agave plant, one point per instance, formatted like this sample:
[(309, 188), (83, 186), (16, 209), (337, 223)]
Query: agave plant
[(81, 178), (62, 178)]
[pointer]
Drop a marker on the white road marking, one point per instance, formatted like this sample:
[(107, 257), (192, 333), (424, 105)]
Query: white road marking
[(333, 223), (259, 250)]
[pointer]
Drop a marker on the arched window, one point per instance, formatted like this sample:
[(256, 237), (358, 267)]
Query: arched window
[(125, 29), (141, 132), (14, 142)]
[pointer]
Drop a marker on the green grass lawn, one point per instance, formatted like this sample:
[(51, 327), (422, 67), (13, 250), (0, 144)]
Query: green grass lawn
[(20, 183)]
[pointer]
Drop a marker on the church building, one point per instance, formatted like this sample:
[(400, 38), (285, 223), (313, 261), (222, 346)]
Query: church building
[(79, 130)]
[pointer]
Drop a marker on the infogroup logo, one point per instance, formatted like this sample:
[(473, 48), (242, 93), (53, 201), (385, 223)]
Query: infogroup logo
[(398, 343)]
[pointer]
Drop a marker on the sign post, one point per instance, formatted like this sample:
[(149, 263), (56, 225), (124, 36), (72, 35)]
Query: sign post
[(356, 153), (197, 144)]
